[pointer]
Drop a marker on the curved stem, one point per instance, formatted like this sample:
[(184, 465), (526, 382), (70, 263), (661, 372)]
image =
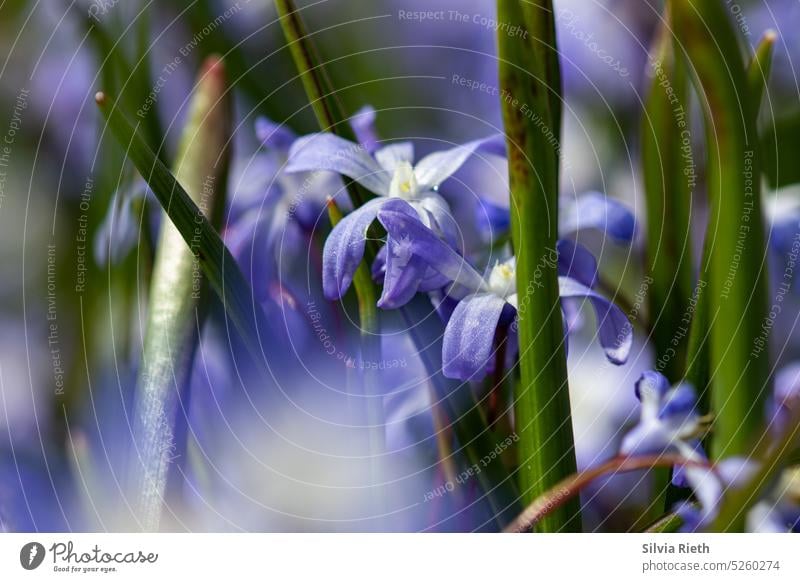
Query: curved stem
[(570, 487)]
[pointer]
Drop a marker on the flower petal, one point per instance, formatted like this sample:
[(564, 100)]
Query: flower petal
[(424, 243), (119, 231), (613, 328), (680, 403), (469, 336), (325, 151), (274, 135), (650, 389), (438, 211), (435, 168), (647, 438), (393, 154), (404, 272), (344, 249), (597, 211), (363, 124), (577, 262)]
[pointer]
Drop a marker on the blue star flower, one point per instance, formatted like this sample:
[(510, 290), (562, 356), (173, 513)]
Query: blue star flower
[(486, 301), (388, 173)]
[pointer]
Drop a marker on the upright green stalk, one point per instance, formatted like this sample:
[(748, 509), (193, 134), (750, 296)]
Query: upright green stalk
[(321, 94), (669, 179), (737, 291), (530, 87), (175, 308)]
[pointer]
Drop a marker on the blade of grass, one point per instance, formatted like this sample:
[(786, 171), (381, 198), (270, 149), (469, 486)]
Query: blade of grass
[(669, 178), (737, 292), (319, 89), (666, 155), (530, 84), (175, 311), (370, 352), (759, 68), (219, 266)]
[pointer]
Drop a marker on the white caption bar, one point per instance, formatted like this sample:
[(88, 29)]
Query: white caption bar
[(401, 557)]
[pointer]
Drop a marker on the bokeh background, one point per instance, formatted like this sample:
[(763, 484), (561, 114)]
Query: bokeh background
[(285, 457)]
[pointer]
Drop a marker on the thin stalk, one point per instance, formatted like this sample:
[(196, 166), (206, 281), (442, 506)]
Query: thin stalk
[(669, 178), (530, 99), (669, 523), (175, 308), (320, 91), (569, 488), (737, 292)]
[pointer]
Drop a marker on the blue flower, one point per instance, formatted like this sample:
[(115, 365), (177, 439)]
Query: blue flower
[(785, 400), (594, 210), (589, 211), (776, 512), (118, 234), (272, 213), (389, 174), (486, 301), (669, 420)]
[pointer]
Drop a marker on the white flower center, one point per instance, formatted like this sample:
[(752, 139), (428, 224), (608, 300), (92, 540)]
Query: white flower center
[(503, 279), (404, 182)]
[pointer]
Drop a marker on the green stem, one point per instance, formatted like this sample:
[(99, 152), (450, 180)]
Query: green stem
[(737, 292), (530, 100), (668, 169), (319, 89), (175, 310)]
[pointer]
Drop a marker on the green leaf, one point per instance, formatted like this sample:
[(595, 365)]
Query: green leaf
[(219, 266), (669, 179), (759, 68), (531, 104), (780, 145), (175, 311), (319, 89), (735, 252)]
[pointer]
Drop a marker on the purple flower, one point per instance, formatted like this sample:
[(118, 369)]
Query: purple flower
[(592, 210), (118, 234), (786, 398), (776, 512), (669, 421), (486, 301), (389, 174), (272, 212)]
